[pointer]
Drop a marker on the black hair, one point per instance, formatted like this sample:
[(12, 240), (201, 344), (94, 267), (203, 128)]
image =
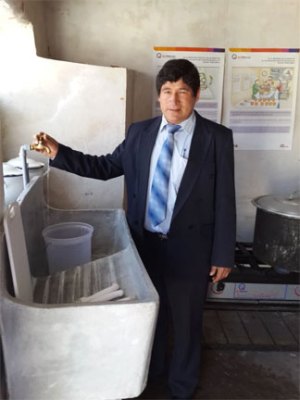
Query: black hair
[(173, 70)]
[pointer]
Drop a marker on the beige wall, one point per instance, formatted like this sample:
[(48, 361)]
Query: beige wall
[(72, 101), (123, 32)]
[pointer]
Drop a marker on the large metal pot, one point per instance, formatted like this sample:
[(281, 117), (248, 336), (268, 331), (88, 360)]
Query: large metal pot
[(277, 231)]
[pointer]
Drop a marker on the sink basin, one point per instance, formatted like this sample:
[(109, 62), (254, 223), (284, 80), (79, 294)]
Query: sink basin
[(55, 345)]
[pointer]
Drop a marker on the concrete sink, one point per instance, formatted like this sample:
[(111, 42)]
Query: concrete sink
[(55, 346)]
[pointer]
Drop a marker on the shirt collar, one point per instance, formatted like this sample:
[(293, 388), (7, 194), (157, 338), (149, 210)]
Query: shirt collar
[(188, 124)]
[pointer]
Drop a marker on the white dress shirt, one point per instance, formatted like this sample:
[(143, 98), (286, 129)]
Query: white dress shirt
[(182, 143)]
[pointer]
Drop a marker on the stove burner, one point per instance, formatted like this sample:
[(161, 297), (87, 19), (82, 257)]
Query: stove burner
[(244, 255), (253, 281), (250, 269)]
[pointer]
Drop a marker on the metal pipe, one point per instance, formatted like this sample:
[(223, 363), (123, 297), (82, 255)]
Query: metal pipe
[(23, 159)]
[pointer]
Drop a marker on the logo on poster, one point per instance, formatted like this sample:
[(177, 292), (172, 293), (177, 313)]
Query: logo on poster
[(163, 55)]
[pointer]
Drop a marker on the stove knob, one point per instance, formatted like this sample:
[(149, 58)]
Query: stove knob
[(220, 286)]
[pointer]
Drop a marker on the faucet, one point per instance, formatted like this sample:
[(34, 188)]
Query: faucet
[(23, 157)]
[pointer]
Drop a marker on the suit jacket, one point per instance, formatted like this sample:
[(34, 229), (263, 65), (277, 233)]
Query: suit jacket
[(202, 231)]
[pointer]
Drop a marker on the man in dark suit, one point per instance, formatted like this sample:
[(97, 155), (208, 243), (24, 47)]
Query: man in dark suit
[(194, 238)]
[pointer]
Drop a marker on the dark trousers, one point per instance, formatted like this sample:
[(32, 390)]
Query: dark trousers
[(181, 308)]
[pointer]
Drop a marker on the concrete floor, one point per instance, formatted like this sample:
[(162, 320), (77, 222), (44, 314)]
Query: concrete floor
[(245, 375), (250, 353)]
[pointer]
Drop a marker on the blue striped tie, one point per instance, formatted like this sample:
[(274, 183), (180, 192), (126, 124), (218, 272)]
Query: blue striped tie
[(158, 200)]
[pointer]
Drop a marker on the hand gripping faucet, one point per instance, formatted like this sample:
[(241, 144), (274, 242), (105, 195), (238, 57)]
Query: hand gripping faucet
[(23, 158)]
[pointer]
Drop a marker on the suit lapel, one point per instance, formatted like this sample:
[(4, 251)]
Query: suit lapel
[(199, 146)]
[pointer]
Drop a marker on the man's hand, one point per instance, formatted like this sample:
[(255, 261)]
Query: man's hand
[(45, 144), (219, 273)]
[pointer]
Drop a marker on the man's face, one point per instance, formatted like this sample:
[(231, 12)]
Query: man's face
[(177, 101)]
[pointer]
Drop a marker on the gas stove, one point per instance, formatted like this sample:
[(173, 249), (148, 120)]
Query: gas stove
[(253, 281)]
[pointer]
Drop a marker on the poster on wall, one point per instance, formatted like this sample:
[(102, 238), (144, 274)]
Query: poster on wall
[(260, 97), (210, 64)]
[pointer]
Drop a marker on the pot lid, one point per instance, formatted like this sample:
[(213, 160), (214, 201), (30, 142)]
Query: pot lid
[(286, 206)]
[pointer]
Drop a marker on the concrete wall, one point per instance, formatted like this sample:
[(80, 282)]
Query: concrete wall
[(73, 101), (123, 32)]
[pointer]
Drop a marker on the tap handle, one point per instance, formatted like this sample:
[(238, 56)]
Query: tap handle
[(39, 146)]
